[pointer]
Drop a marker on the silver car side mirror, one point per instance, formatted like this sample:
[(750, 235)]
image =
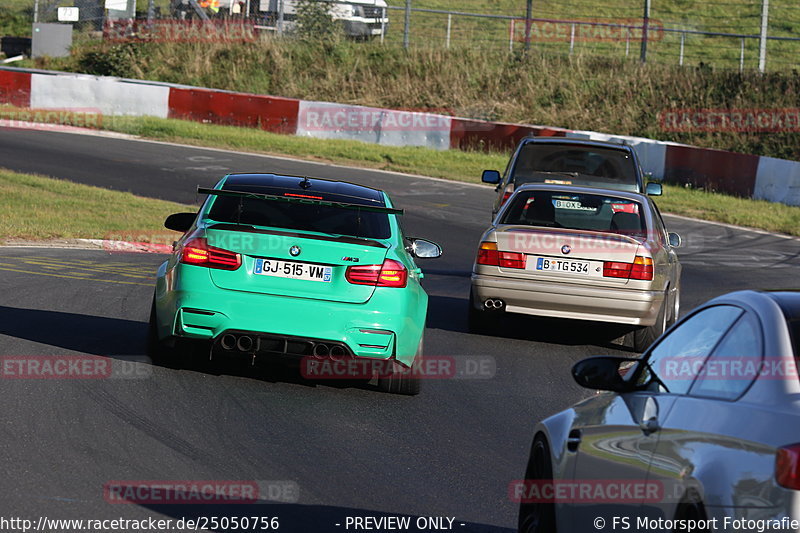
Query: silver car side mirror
[(675, 240)]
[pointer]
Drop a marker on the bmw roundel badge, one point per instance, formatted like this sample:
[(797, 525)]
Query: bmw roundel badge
[(566, 249), (294, 251)]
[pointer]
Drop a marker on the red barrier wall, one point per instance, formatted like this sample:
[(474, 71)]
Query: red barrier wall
[(716, 170), (471, 134), (15, 88), (275, 114)]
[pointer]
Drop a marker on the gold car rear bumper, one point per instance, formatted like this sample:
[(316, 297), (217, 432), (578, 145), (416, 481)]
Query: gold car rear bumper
[(569, 300)]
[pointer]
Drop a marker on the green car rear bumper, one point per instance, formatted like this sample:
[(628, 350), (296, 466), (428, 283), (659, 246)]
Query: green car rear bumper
[(189, 305)]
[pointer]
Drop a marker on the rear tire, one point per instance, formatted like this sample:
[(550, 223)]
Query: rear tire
[(539, 517), (157, 350), (644, 337), (404, 381)]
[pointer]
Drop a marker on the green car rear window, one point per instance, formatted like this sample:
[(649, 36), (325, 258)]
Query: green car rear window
[(592, 212), (303, 217)]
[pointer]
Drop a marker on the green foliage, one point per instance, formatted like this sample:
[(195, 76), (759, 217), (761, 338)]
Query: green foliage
[(314, 22), (117, 60), (16, 21)]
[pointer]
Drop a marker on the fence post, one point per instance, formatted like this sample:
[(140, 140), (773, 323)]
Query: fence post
[(280, 17), (741, 57), (683, 40), (645, 23), (36, 11), (449, 24), (762, 45), (528, 17), (407, 25), (511, 30), (383, 23), (571, 38), (627, 41)]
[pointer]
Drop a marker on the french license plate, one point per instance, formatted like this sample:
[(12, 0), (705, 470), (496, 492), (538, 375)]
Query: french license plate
[(562, 265), (293, 270)]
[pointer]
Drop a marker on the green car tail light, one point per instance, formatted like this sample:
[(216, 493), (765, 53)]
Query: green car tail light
[(390, 274), (197, 252)]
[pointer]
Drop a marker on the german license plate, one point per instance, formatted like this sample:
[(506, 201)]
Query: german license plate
[(292, 270), (571, 204), (562, 265)]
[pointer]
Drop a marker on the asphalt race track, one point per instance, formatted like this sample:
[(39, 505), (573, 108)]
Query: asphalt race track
[(348, 450)]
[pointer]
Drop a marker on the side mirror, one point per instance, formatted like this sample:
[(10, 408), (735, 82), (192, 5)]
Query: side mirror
[(604, 373), (490, 176), (653, 189), (675, 240), (424, 249), (180, 221)]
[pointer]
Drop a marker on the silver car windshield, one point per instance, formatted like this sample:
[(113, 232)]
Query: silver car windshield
[(570, 164), (591, 212)]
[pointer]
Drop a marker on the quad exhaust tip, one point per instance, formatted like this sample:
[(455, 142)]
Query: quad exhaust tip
[(338, 351), (321, 350), (245, 343), (228, 342), (492, 304)]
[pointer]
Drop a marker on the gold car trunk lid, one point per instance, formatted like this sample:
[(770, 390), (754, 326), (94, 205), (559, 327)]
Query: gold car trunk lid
[(573, 255)]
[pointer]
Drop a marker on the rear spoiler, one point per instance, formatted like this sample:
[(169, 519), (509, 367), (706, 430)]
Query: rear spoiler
[(300, 200)]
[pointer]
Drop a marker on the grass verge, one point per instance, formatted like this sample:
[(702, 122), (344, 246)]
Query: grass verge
[(717, 207), (450, 164), (36, 207)]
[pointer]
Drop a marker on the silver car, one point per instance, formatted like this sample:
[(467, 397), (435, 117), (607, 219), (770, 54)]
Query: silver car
[(704, 427), (578, 253)]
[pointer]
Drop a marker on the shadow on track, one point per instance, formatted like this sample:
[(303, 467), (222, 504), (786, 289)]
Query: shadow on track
[(71, 331), (448, 313)]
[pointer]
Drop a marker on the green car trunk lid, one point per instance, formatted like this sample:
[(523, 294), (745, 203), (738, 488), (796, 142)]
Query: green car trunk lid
[(313, 249)]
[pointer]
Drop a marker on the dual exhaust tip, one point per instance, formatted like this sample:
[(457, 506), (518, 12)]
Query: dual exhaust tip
[(323, 350), (243, 343), (492, 304)]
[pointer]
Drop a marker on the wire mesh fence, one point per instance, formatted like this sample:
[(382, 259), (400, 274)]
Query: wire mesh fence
[(732, 34)]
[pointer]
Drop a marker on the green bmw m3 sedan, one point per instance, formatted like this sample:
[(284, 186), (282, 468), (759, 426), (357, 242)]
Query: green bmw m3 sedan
[(286, 266)]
